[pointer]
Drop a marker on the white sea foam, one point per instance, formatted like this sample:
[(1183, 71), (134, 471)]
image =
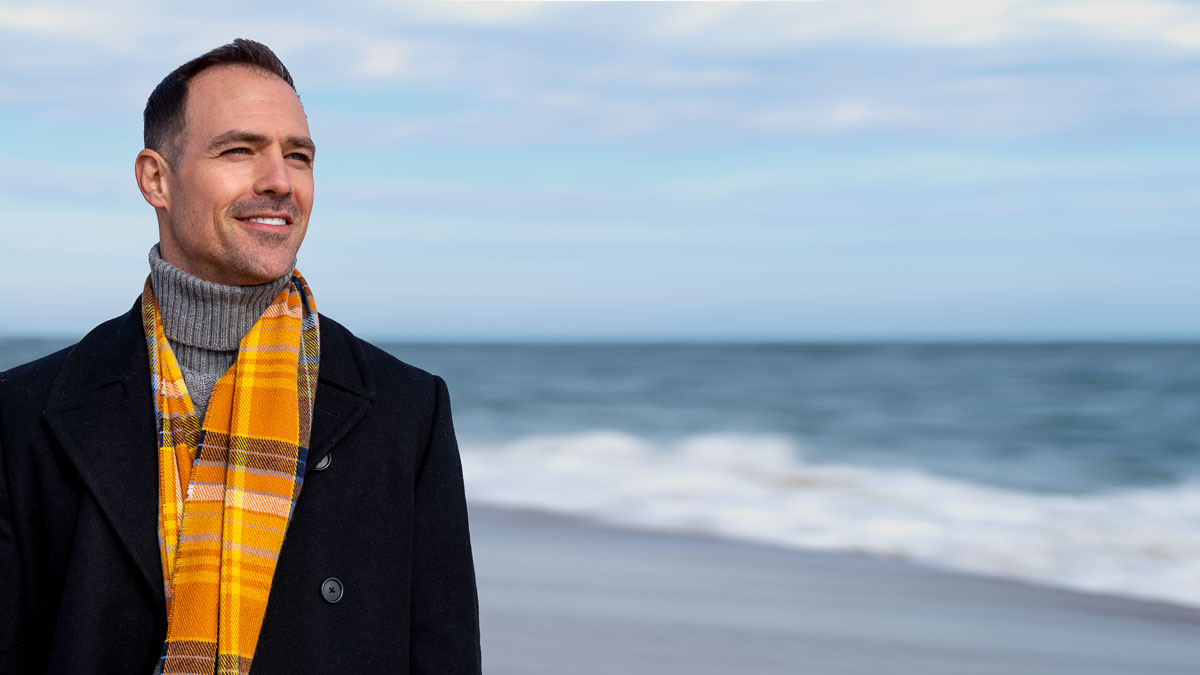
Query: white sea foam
[(1142, 543)]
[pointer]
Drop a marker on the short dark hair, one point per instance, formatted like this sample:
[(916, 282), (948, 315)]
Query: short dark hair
[(164, 121)]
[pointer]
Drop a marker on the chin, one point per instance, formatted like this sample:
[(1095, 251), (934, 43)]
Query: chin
[(264, 265), (267, 276)]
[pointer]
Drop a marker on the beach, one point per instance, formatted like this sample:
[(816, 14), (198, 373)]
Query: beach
[(563, 595)]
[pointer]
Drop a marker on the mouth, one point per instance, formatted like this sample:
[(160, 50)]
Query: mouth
[(266, 220)]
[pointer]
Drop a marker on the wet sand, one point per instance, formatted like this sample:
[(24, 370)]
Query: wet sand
[(563, 596)]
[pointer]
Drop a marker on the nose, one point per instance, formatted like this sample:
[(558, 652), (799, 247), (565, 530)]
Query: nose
[(273, 177)]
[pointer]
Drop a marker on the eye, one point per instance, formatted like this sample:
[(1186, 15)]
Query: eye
[(301, 156), (236, 151)]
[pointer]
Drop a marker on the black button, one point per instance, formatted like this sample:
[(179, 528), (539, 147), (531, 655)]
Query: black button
[(331, 590), (324, 462)]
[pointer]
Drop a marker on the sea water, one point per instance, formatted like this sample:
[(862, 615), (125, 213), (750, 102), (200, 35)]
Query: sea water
[(1072, 465)]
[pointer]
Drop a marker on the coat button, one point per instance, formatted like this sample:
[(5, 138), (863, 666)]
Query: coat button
[(324, 462), (331, 590)]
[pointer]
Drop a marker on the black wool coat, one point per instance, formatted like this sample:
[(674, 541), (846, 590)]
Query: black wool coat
[(385, 516)]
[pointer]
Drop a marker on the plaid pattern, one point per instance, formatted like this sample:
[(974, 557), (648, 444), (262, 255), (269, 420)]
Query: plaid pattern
[(227, 489)]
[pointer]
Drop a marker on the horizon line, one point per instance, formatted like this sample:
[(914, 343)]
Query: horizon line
[(683, 339)]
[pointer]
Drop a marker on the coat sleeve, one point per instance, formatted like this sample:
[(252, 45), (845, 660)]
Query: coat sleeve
[(445, 606)]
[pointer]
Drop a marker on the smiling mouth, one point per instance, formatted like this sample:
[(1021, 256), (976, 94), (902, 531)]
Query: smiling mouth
[(264, 221)]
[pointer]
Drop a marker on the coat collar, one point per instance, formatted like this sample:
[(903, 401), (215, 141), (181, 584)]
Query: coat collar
[(101, 411)]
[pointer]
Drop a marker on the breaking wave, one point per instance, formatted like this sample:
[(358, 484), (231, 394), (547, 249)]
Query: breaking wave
[(1140, 543)]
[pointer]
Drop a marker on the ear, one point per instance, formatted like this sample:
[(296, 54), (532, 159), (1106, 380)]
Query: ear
[(151, 171)]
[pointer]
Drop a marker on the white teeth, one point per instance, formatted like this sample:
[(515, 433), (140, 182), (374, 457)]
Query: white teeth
[(267, 221)]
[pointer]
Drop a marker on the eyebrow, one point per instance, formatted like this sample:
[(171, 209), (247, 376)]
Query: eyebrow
[(241, 136)]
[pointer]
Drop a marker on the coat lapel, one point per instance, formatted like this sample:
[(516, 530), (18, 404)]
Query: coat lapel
[(345, 389), (103, 417)]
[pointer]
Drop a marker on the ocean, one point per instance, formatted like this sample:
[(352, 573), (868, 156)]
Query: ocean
[(1074, 465)]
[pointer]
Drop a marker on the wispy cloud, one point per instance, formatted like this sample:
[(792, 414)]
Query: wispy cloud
[(987, 69)]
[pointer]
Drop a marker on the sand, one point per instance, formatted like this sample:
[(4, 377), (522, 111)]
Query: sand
[(566, 596)]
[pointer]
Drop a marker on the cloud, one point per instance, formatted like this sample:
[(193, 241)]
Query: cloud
[(403, 59), (832, 116), (1164, 23), (486, 13), (659, 73), (928, 23), (58, 21), (36, 180)]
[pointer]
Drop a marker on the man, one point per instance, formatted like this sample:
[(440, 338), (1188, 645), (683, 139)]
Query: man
[(222, 479)]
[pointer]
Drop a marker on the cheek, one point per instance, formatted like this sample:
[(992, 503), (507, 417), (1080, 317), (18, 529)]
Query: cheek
[(304, 191), (220, 189)]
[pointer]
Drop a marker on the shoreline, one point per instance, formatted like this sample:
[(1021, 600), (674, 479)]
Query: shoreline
[(566, 595)]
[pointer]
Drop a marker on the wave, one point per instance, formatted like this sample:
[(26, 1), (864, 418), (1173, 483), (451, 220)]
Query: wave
[(1138, 543)]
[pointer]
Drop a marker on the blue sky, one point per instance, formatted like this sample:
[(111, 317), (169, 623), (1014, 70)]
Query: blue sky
[(863, 170)]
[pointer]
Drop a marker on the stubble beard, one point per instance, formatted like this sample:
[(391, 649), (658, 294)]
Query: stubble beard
[(270, 255)]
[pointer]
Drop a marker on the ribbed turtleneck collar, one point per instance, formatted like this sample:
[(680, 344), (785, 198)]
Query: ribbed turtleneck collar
[(202, 314)]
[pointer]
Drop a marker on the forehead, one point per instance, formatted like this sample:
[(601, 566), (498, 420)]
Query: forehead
[(224, 98)]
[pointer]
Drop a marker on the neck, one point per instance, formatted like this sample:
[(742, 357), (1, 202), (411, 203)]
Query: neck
[(205, 322)]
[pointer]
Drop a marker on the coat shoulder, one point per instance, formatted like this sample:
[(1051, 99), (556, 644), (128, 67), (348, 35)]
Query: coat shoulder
[(393, 369), (33, 380), (34, 384), (28, 389), (25, 389), (387, 374)]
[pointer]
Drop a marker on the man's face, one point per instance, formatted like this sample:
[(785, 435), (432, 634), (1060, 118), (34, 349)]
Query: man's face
[(239, 199)]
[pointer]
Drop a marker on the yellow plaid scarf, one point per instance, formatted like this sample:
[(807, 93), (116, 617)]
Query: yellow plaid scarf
[(220, 539)]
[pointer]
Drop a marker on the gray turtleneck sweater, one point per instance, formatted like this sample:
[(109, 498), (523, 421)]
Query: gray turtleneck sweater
[(205, 322)]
